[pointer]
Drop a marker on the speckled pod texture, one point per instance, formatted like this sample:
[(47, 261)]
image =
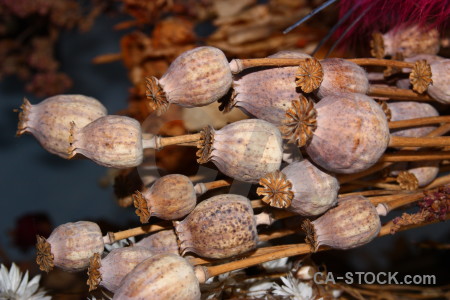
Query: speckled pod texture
[(119, 262), (220, 227), (247, 150), (164, 241), (197, 77), (49, 121), (440, 88), (171, 197), (163, 276), (354, 222), (404, 110), (342, 76), (352, 133), (411, 41), (111, 141), (314, 190), (73, 244)]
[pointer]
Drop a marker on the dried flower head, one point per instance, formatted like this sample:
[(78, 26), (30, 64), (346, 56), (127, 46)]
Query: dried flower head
[(155, 94), (420, 76), (44, 257), (300, 122), (309, 75), (205, 145), (276, 190), (95, 277), (437, 204), (293, 288)]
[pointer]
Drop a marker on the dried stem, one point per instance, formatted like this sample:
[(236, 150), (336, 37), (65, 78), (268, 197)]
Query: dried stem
[(397, 94), (415, 156), (203, 187), (400, 141), (112, 237), (418, 122), (157, 142)]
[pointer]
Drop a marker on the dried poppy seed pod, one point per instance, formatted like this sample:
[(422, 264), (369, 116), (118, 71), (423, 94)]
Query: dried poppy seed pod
[(49, 121), (407, 40), (266, 94), (219, 227), (163, 276), (109, 271), (354, 222), (245, 150), (171, 197), (404, 110), (301, 188), (440, 88), (429, 58), (197, 77), (110, 141), (164, 241), (69, 247), (423, 171), (342, 76), (343, 133)]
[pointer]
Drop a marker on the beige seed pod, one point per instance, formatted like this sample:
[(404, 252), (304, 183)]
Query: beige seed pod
[(171, 197), (404, 110), (197, 77), (110, 141), (163, 276), (219, 227), (164, 241), (407, 40), (354, 222), (267, 93), (301, 188), (109, 271), (440, 88), (245, 150), (423, 171), (69, 247), (342, 76), (343, 133), (49, 121)]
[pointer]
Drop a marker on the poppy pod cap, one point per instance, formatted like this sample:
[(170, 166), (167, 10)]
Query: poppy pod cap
[(50, 120), (163, 276), (70, 246), (110, 141), (352, 223), (245, 150), (219, 227), (197, 77)]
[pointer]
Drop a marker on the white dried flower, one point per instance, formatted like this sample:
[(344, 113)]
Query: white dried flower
[(120, 244), (292, 288), (278, 265), (259, 290), (14, 286)]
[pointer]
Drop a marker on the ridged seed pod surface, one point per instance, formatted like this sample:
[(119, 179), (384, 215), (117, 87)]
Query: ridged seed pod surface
[(247, 150), (73, 244), (50, 120), (354, 222), (197, 77), (110, 141), (314, 190), (352, 133), (440, 88), (163, 276), (220, 227), (342, 76), (411, 41)]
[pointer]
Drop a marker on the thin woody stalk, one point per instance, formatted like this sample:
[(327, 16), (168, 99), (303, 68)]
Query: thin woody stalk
[(203, 187), (397, 94), (418, 122), (157, 142), (293, 250)]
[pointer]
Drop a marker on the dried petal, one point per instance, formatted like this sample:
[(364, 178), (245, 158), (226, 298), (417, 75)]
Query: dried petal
[(300, 122), (276, 190), (420, 76), (309, 75)]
